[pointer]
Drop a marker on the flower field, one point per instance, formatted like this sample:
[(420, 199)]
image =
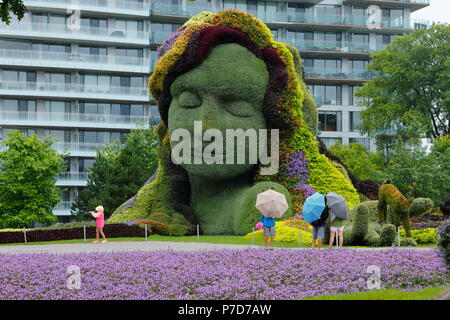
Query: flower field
[(219, 274)]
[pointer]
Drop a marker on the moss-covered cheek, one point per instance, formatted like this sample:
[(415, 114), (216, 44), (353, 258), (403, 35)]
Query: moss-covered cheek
[(226, 91)]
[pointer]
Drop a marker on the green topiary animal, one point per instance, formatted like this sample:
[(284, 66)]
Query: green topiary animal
[(363, 229), (402, 208)]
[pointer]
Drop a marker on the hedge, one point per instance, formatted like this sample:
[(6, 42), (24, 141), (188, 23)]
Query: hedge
[(111, 231)]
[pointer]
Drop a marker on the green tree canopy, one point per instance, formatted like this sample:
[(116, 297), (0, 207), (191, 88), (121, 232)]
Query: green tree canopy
[(15, 6), (118, 172), (361, 163), (28, 193), (411, 90)]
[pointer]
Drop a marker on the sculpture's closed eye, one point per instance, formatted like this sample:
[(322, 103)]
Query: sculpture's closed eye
[(188, 99), (240, 108)]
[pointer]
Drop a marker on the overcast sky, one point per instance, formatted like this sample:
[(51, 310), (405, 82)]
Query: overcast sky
[(438, 11)]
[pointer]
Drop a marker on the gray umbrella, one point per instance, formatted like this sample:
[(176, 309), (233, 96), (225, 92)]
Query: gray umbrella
[(337, 206)]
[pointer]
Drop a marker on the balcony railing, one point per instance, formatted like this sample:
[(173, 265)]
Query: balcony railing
[(71, 88), (337, 73), (321, 45), (191, 9), (78, 146), (45, 56), (72, 176), (71, 117), (63, 205), (61, 30), (159, 37), (101, 4)]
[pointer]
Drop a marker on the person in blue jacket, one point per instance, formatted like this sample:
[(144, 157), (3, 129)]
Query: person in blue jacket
[(269, 229)]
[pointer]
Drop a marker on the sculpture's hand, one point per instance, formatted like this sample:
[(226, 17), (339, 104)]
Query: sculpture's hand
[(248, 216)]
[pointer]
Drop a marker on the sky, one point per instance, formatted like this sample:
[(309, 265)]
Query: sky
[(437, 11)]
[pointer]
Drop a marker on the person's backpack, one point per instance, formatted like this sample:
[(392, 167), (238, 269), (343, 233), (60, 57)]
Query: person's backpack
[(323, 217)]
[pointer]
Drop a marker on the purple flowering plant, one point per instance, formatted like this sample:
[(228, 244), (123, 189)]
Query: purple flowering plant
[(216, 274), (297, 168)]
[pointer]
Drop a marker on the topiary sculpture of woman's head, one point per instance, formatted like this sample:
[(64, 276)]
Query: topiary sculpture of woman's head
[(225, 71)]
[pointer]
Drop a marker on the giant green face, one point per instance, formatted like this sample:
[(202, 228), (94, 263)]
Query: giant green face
[(225, 91)]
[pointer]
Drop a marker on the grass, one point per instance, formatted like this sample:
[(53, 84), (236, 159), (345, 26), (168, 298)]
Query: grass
[(385, 294), (209, 239)]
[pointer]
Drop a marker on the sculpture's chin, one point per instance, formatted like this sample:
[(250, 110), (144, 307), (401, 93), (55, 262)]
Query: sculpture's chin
[(217, 171)]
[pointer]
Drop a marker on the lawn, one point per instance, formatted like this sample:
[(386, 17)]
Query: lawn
[(386, 294), (208, 239), (217, 274)]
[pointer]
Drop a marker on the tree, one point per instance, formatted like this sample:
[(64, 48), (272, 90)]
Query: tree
[(410, 92), (27, 181), (15, 6), (118, 172), (361, 163), (418, 174)]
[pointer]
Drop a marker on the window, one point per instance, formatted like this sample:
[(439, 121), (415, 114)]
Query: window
[(330, 141), (353, 100), (59, 110), (364, 141), (392, 17), (155, 116), (129, 56), (137, 110), (84, 164), (355, 120), (93, 54), (330, 121), (325, 94), (57, 78), (25, 109)]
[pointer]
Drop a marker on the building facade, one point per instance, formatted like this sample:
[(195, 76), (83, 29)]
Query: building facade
[(77, 69)]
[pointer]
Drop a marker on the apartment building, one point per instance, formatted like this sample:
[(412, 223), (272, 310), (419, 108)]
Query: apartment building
[(77, 69)]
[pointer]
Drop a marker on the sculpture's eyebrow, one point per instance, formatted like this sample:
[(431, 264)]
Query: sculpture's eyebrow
[(248, 91)]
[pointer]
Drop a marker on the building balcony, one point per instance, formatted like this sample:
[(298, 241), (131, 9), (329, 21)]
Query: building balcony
[(332, 46), (78, 149), (72, 179), (73, 91), (159, 37), (336, 74), (414, 5), (62, 32), (189, 10), (71, 120), (62, 208), (117, 7), (65, 60)]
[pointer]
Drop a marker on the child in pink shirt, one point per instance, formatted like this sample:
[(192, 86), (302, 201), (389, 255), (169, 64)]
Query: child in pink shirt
[(100, 223)]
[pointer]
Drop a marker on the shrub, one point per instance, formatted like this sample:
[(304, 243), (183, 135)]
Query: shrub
[(372, 238), (387, 235), (360, 224), (423, 236), (285, 233), (111, 231), (444, 242), (408, 242), (419, 206)]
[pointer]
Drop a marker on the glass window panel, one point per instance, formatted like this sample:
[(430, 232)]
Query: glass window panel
[(137, 110)]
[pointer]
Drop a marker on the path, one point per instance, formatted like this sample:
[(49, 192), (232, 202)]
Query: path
[(120, 246)]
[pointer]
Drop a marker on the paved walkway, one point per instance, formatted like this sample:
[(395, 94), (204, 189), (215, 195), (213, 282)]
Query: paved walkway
[(119, 246)]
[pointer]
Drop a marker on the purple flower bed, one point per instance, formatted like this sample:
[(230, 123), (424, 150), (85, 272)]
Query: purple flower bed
[(220, 274)]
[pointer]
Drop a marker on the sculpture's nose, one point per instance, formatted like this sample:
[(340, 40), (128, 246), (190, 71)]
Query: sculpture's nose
[(210, 112)]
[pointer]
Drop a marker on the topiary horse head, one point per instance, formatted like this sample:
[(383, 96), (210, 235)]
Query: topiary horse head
[(225, 71)]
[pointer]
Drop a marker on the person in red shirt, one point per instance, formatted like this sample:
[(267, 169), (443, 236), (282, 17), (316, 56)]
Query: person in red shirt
[(100, 223)]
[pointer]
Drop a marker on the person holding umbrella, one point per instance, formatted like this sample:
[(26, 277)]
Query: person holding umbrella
[(315, 212), (338, 213), (272, 205)]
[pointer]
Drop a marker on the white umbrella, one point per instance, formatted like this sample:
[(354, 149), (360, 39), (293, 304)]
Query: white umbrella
[(271, 204)]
